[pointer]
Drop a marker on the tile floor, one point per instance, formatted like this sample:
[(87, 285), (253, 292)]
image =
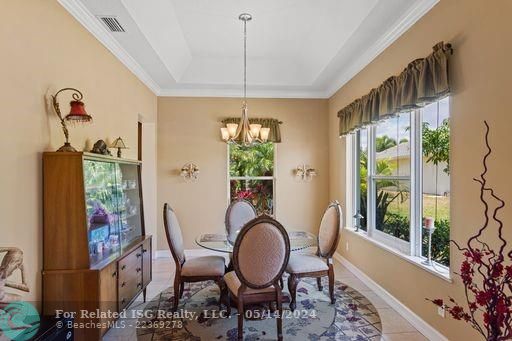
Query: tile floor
[(394, 326)]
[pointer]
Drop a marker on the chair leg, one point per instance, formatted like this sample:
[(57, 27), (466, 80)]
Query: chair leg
[(319, 283), (177, 285), (228, 302), (182, 288), (292, 287), (240, 318), (221, 285), (331, 284), (279, 315)]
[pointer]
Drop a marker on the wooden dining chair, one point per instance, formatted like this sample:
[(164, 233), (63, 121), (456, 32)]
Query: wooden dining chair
[(239, 213), (260, 255), (190, 270), (320, 264)]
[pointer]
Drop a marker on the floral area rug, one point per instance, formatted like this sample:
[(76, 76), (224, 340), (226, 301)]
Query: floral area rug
[(352, 317)]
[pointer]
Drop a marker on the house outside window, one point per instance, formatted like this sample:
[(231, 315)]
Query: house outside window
[(251, 175), (401, 175)]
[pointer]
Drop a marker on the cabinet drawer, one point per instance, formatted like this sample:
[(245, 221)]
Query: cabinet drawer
[(128, 290), (131, 262), (130, 277)]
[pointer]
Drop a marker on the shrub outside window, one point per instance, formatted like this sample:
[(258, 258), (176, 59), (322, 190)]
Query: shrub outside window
[(251, 175), (401, 175)]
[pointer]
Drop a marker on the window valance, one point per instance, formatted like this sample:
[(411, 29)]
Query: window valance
[(423, 81), (275, 131)]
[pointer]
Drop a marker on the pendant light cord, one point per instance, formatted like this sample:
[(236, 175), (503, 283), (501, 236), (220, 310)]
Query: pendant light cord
[(245, 62)]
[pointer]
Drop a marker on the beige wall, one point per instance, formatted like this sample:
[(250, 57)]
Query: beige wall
[(188, 131), (44, 49), (480, 73)]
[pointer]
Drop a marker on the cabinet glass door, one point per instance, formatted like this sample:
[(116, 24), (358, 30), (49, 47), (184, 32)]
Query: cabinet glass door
[(129, 202), (101, 197)]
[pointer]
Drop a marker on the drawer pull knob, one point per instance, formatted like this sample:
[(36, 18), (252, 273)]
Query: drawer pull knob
[(144, 250), (114, 274), (138, 255), (139, 285), (123, 300), (138, 269), (123, 284), (123, 267)]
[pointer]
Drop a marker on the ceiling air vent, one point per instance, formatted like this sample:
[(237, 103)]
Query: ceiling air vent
[(112, 23)]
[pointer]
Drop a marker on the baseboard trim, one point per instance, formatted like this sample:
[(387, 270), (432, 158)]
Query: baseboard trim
[(423, 327), (163, 254)]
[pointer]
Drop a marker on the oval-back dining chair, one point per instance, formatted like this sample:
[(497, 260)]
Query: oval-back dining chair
[(320, 264), (260, 255), (190, 270), (239, 213)]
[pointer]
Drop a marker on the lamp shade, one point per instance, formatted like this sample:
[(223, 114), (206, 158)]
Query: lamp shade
[(264, 132), (232, 128), (224, 133), (77, 112), (255, 130), (118, 143)]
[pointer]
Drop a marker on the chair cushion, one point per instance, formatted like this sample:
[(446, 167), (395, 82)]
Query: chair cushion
[(234, 283), (173, 231), (262, 253), (329, 229), (303, 263), (204, 266), (239, 213)]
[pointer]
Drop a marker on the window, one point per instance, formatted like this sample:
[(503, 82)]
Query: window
[(401, 175), (251, 175)]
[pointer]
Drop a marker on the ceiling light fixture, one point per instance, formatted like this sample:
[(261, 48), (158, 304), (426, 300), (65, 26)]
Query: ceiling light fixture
[(244, 133)]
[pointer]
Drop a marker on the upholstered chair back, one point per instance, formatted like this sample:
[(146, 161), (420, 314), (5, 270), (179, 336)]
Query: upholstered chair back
[(173, 233), (330, 226), (239, 213), (261, 252)]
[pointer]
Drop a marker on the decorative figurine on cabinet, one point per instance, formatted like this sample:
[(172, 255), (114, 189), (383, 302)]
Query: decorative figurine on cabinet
[(100, 147)]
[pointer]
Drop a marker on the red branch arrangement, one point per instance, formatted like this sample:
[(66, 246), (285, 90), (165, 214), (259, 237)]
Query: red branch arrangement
[(487, 280)]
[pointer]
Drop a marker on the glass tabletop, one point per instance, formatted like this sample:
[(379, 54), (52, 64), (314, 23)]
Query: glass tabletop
[(299, 240)]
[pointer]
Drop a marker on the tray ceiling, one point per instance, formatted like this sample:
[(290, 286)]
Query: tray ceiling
[(296, 48)]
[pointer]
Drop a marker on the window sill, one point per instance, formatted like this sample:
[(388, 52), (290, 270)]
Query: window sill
[(437, 270)]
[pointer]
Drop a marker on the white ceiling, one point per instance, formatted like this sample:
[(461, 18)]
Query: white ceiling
[(296, 48)]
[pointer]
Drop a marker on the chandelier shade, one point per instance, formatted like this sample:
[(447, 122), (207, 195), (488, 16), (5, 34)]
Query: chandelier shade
[(270, 128)]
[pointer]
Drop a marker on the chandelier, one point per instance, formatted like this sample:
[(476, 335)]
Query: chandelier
[(244, 133)]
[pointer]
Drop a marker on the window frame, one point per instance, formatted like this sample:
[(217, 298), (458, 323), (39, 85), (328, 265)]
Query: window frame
[(413, 248), (273, 178)]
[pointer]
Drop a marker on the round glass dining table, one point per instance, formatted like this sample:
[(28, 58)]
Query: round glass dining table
[(299, 240)]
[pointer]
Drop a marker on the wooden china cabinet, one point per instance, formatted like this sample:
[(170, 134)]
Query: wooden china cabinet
[(97, 256)]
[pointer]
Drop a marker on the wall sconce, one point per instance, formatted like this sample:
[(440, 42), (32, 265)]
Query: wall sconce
[(189, 172), (304, 173)]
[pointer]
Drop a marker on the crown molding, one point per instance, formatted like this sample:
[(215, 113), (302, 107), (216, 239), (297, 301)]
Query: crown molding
[(373, 51), (237, 92), (92, 24)]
